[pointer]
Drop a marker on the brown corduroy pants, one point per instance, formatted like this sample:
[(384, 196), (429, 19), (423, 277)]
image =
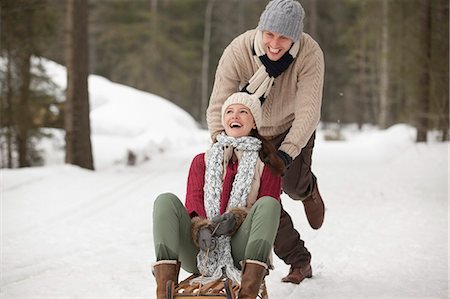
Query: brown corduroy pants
[(296, 183)]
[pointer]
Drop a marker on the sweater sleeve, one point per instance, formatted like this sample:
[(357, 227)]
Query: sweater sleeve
[(309, 92), (226, 82), (234, 69), (270, 184), (194, 193)]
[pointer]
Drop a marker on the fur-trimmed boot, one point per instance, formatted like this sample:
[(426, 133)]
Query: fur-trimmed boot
[(253, 273), (165, 271)]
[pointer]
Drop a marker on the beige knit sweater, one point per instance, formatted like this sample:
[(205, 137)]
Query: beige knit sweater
[(295, 98)]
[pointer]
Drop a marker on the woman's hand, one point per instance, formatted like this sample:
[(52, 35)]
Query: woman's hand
[(206, 240), (224, 224)]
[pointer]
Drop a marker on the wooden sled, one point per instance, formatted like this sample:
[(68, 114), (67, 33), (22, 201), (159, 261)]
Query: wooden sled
[(221, 288)]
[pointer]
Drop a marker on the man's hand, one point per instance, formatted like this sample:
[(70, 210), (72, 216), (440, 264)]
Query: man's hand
[(287, 160), (224, 224)]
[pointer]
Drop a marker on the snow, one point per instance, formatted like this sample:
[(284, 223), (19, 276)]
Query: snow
[(125, 119), (67, 232)]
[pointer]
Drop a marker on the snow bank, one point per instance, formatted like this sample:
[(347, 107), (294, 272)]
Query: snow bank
[(126, 121)]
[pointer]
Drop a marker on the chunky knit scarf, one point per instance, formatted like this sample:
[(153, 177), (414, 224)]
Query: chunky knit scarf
[(262, 80), (213, 264)]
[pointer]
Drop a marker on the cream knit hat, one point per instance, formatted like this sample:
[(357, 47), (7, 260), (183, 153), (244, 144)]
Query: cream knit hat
[(248, 100)]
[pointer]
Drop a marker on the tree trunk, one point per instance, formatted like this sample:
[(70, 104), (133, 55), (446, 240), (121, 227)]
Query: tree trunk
[(383, 118), (77, 124), (6, 119), (424, 45), (23, 116), (440, 64), (205, 60), (154, 24), (313, 19), (240, 16), (362, 81), (9, 111), (22, 120)]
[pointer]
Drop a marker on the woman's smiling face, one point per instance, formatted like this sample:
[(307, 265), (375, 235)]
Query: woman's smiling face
[(238, 120)]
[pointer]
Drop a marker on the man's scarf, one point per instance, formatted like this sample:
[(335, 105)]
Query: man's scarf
[(213, 264), (262, 80)]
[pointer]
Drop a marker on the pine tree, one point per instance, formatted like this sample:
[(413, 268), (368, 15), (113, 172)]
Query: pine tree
[(25, 31), (77, 124)]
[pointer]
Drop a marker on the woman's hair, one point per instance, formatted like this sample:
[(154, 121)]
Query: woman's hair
[(268, 154)]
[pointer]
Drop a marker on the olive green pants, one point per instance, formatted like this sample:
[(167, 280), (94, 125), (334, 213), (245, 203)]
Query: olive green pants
[(172, 232)]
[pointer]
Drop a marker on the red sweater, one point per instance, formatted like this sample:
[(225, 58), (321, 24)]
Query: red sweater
[(270, 186)]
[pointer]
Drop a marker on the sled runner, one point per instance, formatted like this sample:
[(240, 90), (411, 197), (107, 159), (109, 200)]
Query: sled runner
[(220, 288)]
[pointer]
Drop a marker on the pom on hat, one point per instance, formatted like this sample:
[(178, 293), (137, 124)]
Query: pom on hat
[(284, 17), (250, 101)]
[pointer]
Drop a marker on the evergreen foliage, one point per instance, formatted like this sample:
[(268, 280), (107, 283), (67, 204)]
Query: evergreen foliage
[(28, 100)]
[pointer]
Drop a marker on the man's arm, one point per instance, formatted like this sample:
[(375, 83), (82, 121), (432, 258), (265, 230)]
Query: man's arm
[(226, 83), (309, 93)]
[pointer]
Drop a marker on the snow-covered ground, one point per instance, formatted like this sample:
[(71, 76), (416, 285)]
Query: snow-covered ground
[(67, 232)]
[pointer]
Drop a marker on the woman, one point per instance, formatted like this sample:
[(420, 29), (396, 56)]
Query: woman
[(232, 209)]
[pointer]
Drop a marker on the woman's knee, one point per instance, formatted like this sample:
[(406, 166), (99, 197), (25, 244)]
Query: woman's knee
[(268, 204), (166, 201)]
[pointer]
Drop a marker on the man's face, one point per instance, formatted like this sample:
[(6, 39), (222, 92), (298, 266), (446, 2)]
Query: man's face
[(275, 45)]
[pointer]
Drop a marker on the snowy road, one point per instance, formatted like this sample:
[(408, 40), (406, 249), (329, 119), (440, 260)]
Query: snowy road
[(71, 233)]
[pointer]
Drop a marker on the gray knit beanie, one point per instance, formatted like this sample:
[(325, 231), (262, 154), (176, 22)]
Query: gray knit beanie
[(284, 17)]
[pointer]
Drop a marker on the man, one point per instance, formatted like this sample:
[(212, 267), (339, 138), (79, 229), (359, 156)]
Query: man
[(284, 67)]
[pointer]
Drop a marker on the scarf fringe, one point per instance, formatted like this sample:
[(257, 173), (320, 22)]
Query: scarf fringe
[(232, 273)]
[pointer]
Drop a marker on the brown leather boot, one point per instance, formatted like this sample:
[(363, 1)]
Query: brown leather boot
[(165, 271), (314, 207), (253, 273), (297, 275)]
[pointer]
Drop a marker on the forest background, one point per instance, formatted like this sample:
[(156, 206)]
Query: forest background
[(387, 61)]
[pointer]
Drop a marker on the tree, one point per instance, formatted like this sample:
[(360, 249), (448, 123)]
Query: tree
[(439, 87), (424, 46), (206, 59), (25, 31), (311, 21), (6, 121), (383, 118), (20, 63), (77, 124)]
